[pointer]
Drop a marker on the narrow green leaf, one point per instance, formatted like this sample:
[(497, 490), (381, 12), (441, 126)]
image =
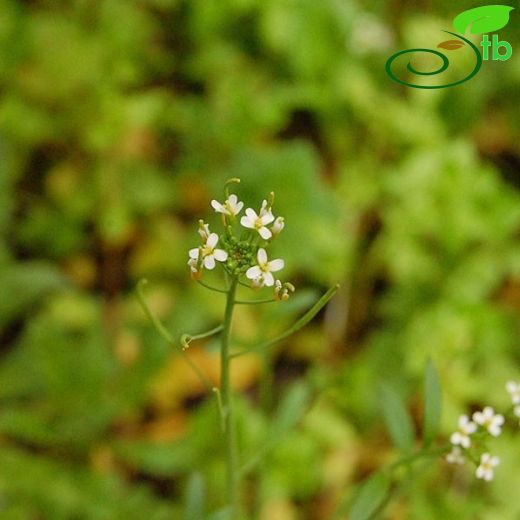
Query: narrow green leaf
[(195, 498), (397, 419), (432, 403), (484, 19), (221, 514), (291, 410), (370, 498)]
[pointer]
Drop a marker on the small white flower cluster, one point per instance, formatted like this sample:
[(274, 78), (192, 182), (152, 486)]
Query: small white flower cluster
[(468, 440), (238, 256)]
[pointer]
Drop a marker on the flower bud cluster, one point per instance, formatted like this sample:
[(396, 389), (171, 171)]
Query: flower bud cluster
[(243, 255)]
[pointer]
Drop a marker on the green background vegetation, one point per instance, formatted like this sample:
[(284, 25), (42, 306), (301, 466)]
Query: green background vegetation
[(119, 122)]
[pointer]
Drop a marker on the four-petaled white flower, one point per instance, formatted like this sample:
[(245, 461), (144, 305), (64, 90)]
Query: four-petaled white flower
[(514, 390), (455, 456), (209, 253), (259, 222), (263, 271), (278, 225), (489, 420), (466, 428), (231, 206), (485, 469)]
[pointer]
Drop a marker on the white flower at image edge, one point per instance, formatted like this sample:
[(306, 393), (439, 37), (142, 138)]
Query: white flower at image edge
[(514, 391), (263, 271), (259, 222), (489, 420), (231, 206), (485, 469), (209, 253), (466, 428)]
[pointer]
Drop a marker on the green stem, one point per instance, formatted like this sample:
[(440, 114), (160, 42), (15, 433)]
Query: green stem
[(211, 288), (254, 302), (306, 318), (409, 459), (186, 339), (232, 475), (163, 331)]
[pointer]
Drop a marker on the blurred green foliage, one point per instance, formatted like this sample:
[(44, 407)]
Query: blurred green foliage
[(119, 121)]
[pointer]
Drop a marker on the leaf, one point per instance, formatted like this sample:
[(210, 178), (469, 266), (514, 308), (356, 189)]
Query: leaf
[(23, 285), (221, 514), (398, 421), (370, 498), (290, 411), (479, 20), (451, 45), (432, 403), (195, 498)]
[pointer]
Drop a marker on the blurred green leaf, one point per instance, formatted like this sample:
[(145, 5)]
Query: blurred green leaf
[(25, 284), (397, 418), (370, 498), (195, 498)]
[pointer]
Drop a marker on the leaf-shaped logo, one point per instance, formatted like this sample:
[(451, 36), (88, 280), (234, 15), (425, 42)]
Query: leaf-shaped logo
[(483, 19), (451, 45)]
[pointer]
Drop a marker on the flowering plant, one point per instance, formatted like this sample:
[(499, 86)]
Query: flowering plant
[(240, 251)]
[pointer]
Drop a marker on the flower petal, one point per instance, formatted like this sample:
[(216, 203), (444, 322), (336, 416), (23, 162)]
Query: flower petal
[(265, 233), (267, 218), (276, 265), (261, 255), (217, 206), (251, 213), (247, 222), (194, 253), (220, 255), (253, 272), (209, 262), (212, 240), (269, 279)]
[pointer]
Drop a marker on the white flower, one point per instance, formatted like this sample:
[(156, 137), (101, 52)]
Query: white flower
[(259, 222), (466, 428), (277, 226), (487, 463), (209, 253), (487, 418), (264, 269), (455, 456), (231, 206), (514, 390)]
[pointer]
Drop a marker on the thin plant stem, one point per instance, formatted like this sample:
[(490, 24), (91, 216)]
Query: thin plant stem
[(255, 302), (211, 288), (163, 331), (306, 318), (186, 339), (232, 473)]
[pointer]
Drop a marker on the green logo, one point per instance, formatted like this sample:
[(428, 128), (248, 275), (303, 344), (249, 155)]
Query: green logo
[(479, 20)]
